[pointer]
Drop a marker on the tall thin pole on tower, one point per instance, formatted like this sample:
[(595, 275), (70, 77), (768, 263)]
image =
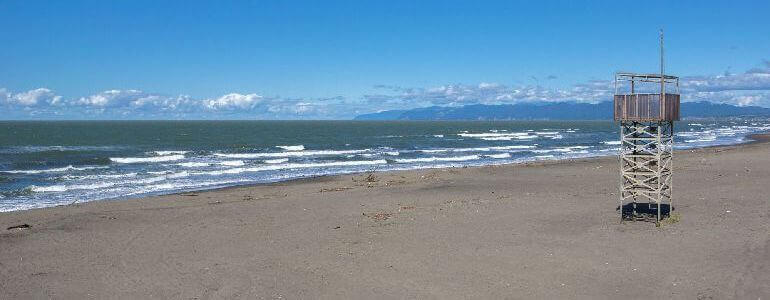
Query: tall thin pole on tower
[(662, 66)]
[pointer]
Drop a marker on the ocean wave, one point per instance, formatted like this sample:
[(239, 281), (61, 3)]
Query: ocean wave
[(501, 155), (290, 154), (54, 170), (292, 148), (294, 166), (432, 159), (276, 161), (563, 150), (178, 186), (170, 152), (611, 142), (493, 134), (702, 140), (98, 176), (106, 184), (479, 149), (16, 193), (34, 149), (392, 153), (194, 164), (132, 160), (64, 188), (433, 150), (232, 163)]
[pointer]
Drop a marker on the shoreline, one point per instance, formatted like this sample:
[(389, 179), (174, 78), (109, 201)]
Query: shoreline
[(545, 229), (754, 138)]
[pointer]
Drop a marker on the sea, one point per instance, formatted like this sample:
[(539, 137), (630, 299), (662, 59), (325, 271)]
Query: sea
[(49, 163)]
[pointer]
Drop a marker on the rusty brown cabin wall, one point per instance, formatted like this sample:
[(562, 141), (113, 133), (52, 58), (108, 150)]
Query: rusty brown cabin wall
[(646, 107)]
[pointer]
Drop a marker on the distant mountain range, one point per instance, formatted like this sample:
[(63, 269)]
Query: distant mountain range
[(555, 111)]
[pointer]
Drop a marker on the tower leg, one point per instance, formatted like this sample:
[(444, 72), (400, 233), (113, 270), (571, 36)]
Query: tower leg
[(645, 166)]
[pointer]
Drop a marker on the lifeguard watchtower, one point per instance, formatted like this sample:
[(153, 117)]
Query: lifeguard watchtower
[(646, 110)]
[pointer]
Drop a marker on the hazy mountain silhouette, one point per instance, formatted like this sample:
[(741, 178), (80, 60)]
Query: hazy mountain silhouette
[(554, 111)]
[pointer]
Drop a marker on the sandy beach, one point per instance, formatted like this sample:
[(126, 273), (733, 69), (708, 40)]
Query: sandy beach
[(535, 230)]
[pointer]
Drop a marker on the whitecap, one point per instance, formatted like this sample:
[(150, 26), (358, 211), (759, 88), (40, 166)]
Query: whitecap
[(295, 166), (131, 160), (194, 164), (170, 152), (289, 154), (611, 142), (501, 155), (64, 188), (276, 161), (54, 170), (50, 188), (292, 148), (232, 163), (432, 159)]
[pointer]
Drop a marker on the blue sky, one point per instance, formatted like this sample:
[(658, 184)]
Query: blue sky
[(334, 60)]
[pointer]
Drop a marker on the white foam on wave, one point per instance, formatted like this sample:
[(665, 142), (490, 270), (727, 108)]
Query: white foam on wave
[(177, 186), (501, 155), (232, 163), (98, 177), (493, 134), (276, 161), (159, 172), (432, 159), (50, 188), (32, 149), (194, 164), (133, 160), (392, 153), (611, 142), (547, 132), (290, 154), (514, 147), (433, 150), (54, 170), (106, 184), (438, 135), (510, 138), (480, 149), (563, 149), (702, 140), (170, 152), (64, 188), (294, 166), (292, 148)]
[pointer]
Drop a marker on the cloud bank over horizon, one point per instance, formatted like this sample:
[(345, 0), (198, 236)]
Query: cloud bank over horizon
[(751, 87)]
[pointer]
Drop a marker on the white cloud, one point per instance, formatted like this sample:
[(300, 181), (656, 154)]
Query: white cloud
[(4, 95), (41, 96), (748, 88), (111, 98), (233, 101)]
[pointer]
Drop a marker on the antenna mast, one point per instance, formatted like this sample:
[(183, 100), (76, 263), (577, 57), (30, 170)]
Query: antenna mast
[(662, 67)]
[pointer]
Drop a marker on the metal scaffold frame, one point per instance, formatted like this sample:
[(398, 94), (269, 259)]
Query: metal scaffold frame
[(645, 165)]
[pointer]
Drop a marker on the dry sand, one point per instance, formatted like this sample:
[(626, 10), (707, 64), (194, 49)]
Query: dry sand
[(538, 230)]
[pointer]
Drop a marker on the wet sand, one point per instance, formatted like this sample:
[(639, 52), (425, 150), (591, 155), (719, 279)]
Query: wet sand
[(537, 230)]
